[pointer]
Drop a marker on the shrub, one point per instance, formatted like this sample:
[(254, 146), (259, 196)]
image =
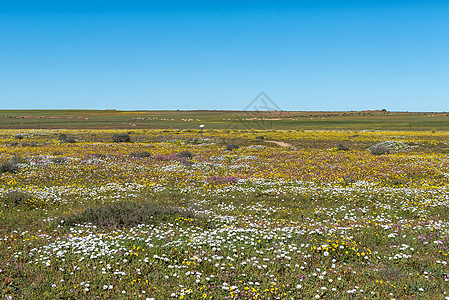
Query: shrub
[(99, 155), (8, 167), (221, 180), (260, 138), (231, 146), (380, 149), (121, 138), (185, 154), (350, 179), (121, 214), (22, 200), (140, 154), (185, 162), (17, 159), (59, 160), (193, 141), (393, 146), (162, 157), (64, 138), (30, 144), (342, 146), (16, 198)]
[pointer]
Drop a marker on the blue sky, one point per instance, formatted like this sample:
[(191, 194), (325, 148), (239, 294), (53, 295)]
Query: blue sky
[(306, 55)]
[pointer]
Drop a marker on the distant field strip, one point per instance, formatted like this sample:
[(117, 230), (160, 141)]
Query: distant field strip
[(79, 119)]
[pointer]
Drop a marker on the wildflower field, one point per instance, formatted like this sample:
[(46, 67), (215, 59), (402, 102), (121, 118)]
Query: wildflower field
[(223, 214)]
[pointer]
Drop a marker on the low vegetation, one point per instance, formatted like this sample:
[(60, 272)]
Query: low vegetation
[(173, 215), (126, 214), (380, 150), (231, 146), (121, 138), (342, 146), (65, 138), (140, 154), (8, 167), (185, 154), (19, 200)]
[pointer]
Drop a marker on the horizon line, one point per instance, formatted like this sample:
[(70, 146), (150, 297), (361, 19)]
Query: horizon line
[(213, 110)]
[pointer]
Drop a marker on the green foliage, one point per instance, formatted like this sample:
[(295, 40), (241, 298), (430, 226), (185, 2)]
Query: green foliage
[(16, 198), (30, 144), (342, 146), (99, 155), (121, 138), (65, 138), (380, 150), (22, 200), (140, 154), (8, 167), (128, 213), (59, 160), (231, 146), (185, 154)]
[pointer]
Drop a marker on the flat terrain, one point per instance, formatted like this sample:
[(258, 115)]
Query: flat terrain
[(223, 214), (110, 119)]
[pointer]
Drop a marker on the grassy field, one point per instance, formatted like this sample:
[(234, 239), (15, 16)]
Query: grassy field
[(223, 214), (110, 119)]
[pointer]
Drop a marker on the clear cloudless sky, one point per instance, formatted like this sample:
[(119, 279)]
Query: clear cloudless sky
[(306, 55)]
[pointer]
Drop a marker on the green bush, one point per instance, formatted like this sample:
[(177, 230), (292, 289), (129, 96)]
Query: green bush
[(185, 154), (21, 200), (140, 154), (59, 160), (99, 155), (185, 162), (342, 146), (16, 198), (121, 214), (30, 144), (8, 167), (65, 138), (231, 146), (380, 150), (121, 138)]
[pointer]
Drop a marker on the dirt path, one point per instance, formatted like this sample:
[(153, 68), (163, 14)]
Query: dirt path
[(282, 144)]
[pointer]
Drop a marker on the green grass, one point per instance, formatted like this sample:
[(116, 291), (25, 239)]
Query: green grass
[(104, 119)]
